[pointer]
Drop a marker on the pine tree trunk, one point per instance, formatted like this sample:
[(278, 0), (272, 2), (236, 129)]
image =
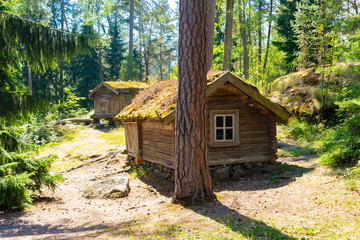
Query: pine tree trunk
[(192, 176), (61, 65), (140, 49), (268, 37), (228, 35), (260, 32), (131, 39), (244, 40), (29, 80), (210, 24)]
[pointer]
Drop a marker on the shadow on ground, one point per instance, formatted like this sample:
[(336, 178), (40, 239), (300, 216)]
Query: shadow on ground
[(16, 227)]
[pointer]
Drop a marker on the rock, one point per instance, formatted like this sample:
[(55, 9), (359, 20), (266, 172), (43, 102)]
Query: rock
[(109, 188), (222, 173), (248, 166), (257, 164), (238, 173)]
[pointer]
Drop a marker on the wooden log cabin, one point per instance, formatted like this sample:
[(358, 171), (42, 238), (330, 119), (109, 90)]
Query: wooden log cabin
[(112, 96), (241, 123)]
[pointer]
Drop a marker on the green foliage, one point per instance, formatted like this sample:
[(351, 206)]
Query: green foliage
[(303, 130), (38, 45), (22, 174), (71, 103)]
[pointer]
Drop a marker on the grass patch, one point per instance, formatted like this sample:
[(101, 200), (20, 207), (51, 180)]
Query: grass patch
[(114, 136)]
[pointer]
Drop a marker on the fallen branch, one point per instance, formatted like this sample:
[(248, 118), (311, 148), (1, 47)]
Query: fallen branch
[(100, 159), (74, 120)]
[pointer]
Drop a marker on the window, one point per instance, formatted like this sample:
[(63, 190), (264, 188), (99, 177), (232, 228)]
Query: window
[(223, 128)]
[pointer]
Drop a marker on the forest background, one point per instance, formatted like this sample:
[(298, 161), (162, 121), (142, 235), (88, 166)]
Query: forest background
[(137, 40)]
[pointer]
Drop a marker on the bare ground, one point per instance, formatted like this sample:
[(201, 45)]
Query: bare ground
[(299, 199)]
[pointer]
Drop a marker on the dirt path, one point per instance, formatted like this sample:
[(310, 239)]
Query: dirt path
[(289, 201)]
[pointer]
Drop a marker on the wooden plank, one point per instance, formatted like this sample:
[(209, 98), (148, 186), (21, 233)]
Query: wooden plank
[(156, 137), (160, 158), (257, 158), (166, 150), (158, 125), (159, 132), (242, 148), (160, 144), (131, 137)]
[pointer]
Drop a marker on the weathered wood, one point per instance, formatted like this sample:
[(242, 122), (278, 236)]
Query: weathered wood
[(159, 132), (140, 139), (273, 138), (160, 158), (217, 162), (156, 137), (131, 136), (158, 125), (169, 150), (74, 120)]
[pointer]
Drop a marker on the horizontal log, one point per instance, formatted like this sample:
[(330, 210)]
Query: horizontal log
[(241, 149), (160, 158), (159, 131), (166, 150), (157, 137), (217, 162), (157, 125), (160, 144), (74, 120)]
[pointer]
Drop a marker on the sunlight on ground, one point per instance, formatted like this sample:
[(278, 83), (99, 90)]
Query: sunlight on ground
[(114, 136)]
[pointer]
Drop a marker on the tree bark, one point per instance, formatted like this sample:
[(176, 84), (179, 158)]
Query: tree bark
[(268, 37), (61, 65), (140, 49), (228, 35), (260, 32), (192, 175), (131, 40), (210, 24), (29, 80), (244, 40)]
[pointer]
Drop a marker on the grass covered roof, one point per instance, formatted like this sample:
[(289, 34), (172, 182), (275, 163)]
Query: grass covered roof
[(119, 87), (159, 99), (127, 84), (156, 101)]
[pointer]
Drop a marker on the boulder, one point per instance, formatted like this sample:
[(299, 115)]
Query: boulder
[(222, 173), (109, 188), (238, 173)]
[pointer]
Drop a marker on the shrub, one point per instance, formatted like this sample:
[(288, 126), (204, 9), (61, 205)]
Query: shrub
[(21, 174)]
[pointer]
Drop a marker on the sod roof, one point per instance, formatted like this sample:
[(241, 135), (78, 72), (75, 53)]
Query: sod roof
[(120, 87), (158, 101)]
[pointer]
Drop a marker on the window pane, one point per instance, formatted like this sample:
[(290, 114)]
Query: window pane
[(219, 134), (229, 121), (219, 121), (229, 134)]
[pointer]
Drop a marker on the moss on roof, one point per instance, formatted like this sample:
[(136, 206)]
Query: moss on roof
[(154, 102), (127, 84), (157, 101)]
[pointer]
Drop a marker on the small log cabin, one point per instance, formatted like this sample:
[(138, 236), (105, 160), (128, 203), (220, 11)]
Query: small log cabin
[(241, 123), (112, 96)]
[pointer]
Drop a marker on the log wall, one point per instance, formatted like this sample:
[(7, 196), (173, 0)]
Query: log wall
[(115, 103), (158, 141), (255, 128), (257, 133)]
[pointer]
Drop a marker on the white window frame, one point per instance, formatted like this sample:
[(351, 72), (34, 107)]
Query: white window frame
[(235, 127)]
